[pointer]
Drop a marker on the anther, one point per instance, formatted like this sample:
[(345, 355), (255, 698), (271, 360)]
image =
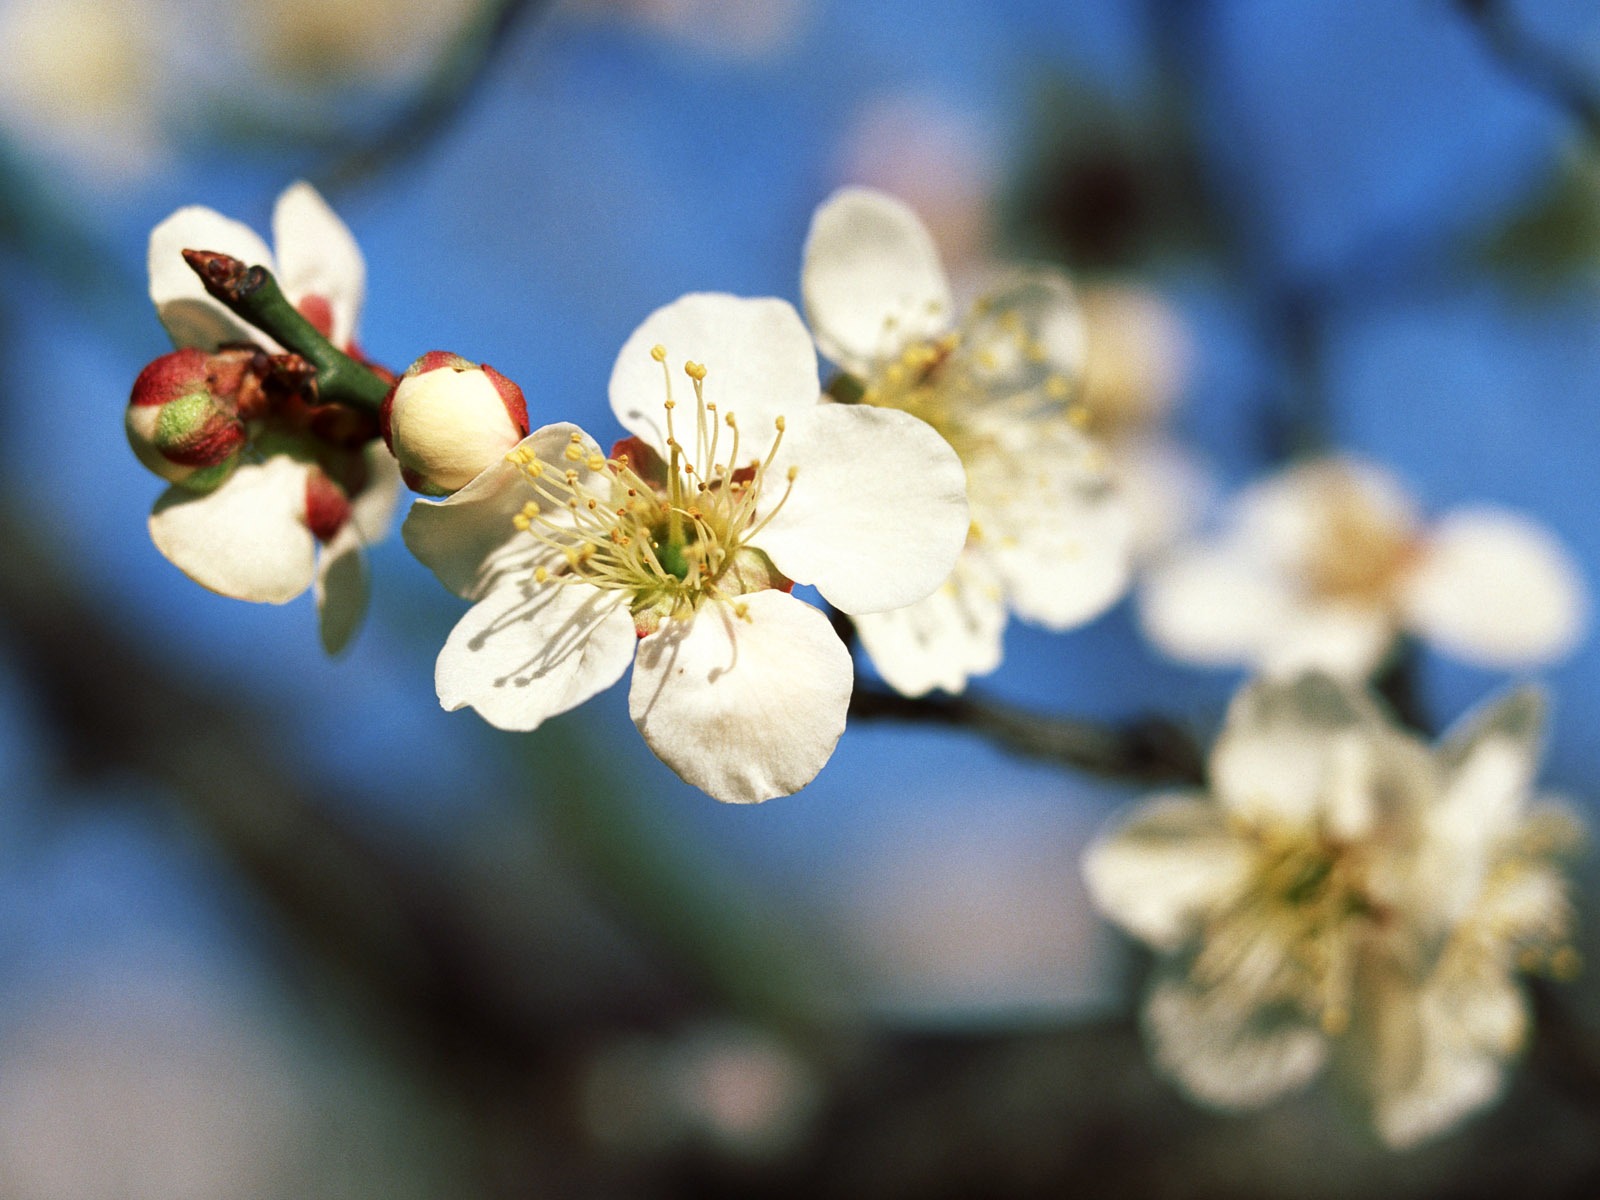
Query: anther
[(658, 352), (695, 371)]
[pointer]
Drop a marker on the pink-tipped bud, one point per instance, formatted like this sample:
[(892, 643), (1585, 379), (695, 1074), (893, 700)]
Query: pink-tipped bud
[(447, 419), (183, 417)]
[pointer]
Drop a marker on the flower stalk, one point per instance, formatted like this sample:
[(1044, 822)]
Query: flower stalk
[(253, 294)]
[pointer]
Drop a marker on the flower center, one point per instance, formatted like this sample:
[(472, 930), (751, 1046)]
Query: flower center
[(991, 367), (1289, 938), (672, 532), (1360, 552)]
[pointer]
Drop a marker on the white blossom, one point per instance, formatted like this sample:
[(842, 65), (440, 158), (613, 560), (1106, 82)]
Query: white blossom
[(1345, 895), (1322, 565), (1049, 538), (683, 542)]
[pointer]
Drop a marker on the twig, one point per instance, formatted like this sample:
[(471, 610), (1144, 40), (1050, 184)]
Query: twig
[(1146, 750), (254, 296), (1536, 65)]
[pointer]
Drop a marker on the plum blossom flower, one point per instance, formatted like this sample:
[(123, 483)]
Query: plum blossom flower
[(1323, 564), (1344, 896), (305, 498), (1049, 538), (677, 551)]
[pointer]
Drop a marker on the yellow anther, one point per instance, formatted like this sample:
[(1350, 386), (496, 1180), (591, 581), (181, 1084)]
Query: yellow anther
[(574, 453), (541, 575), (695, 371), (1079, 416), (658, 352), (1529, 960), (742, 611), (597, 462), (1034, 352), (987, 360), (521, 522), (793, 471), (780, 423), (669, 405), (1057, 387)]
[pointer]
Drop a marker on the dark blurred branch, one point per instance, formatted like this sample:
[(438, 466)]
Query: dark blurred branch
[(1147, 750), (1539, 67), (400, 935)]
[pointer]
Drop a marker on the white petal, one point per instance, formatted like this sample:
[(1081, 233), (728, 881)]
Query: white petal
[(1489, 763), (467, 540), (341, 589), (1213, 606), (192, 317), (1165, 866), (1496, 589), (759, 360), (872, 281), (526, 652), (1292, 752), (1345, 640), (878, 514), (747, 708), (941, 641), (1055, 528), (317, 256), (1429, 1056), (1229, 1054), (248, 539), (372, 508)]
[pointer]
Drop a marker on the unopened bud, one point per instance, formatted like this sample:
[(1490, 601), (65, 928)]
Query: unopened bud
[(183, 419), (448, 419)]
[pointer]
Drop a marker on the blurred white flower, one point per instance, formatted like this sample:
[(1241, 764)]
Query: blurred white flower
[(334, 44), (1136, 361), (84, 82), (749, 30), (1344, 894), (1322, 565), (682, 545), (298, 513), (1049, 537)]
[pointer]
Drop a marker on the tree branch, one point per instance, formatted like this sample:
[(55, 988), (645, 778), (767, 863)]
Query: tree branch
[(1145, 750), (1536, 65)]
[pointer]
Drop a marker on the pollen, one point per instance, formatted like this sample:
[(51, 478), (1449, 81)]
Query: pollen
[(671, 535)]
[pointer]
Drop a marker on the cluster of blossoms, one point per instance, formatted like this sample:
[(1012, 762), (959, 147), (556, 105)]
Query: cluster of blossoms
[(1343, 894), (939, 481), (271, 490)]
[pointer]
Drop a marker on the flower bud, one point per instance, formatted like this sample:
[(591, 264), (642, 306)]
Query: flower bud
[(448, 419), (183, 419)]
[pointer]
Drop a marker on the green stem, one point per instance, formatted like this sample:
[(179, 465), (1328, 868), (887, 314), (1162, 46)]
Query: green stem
[(252, 294)]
